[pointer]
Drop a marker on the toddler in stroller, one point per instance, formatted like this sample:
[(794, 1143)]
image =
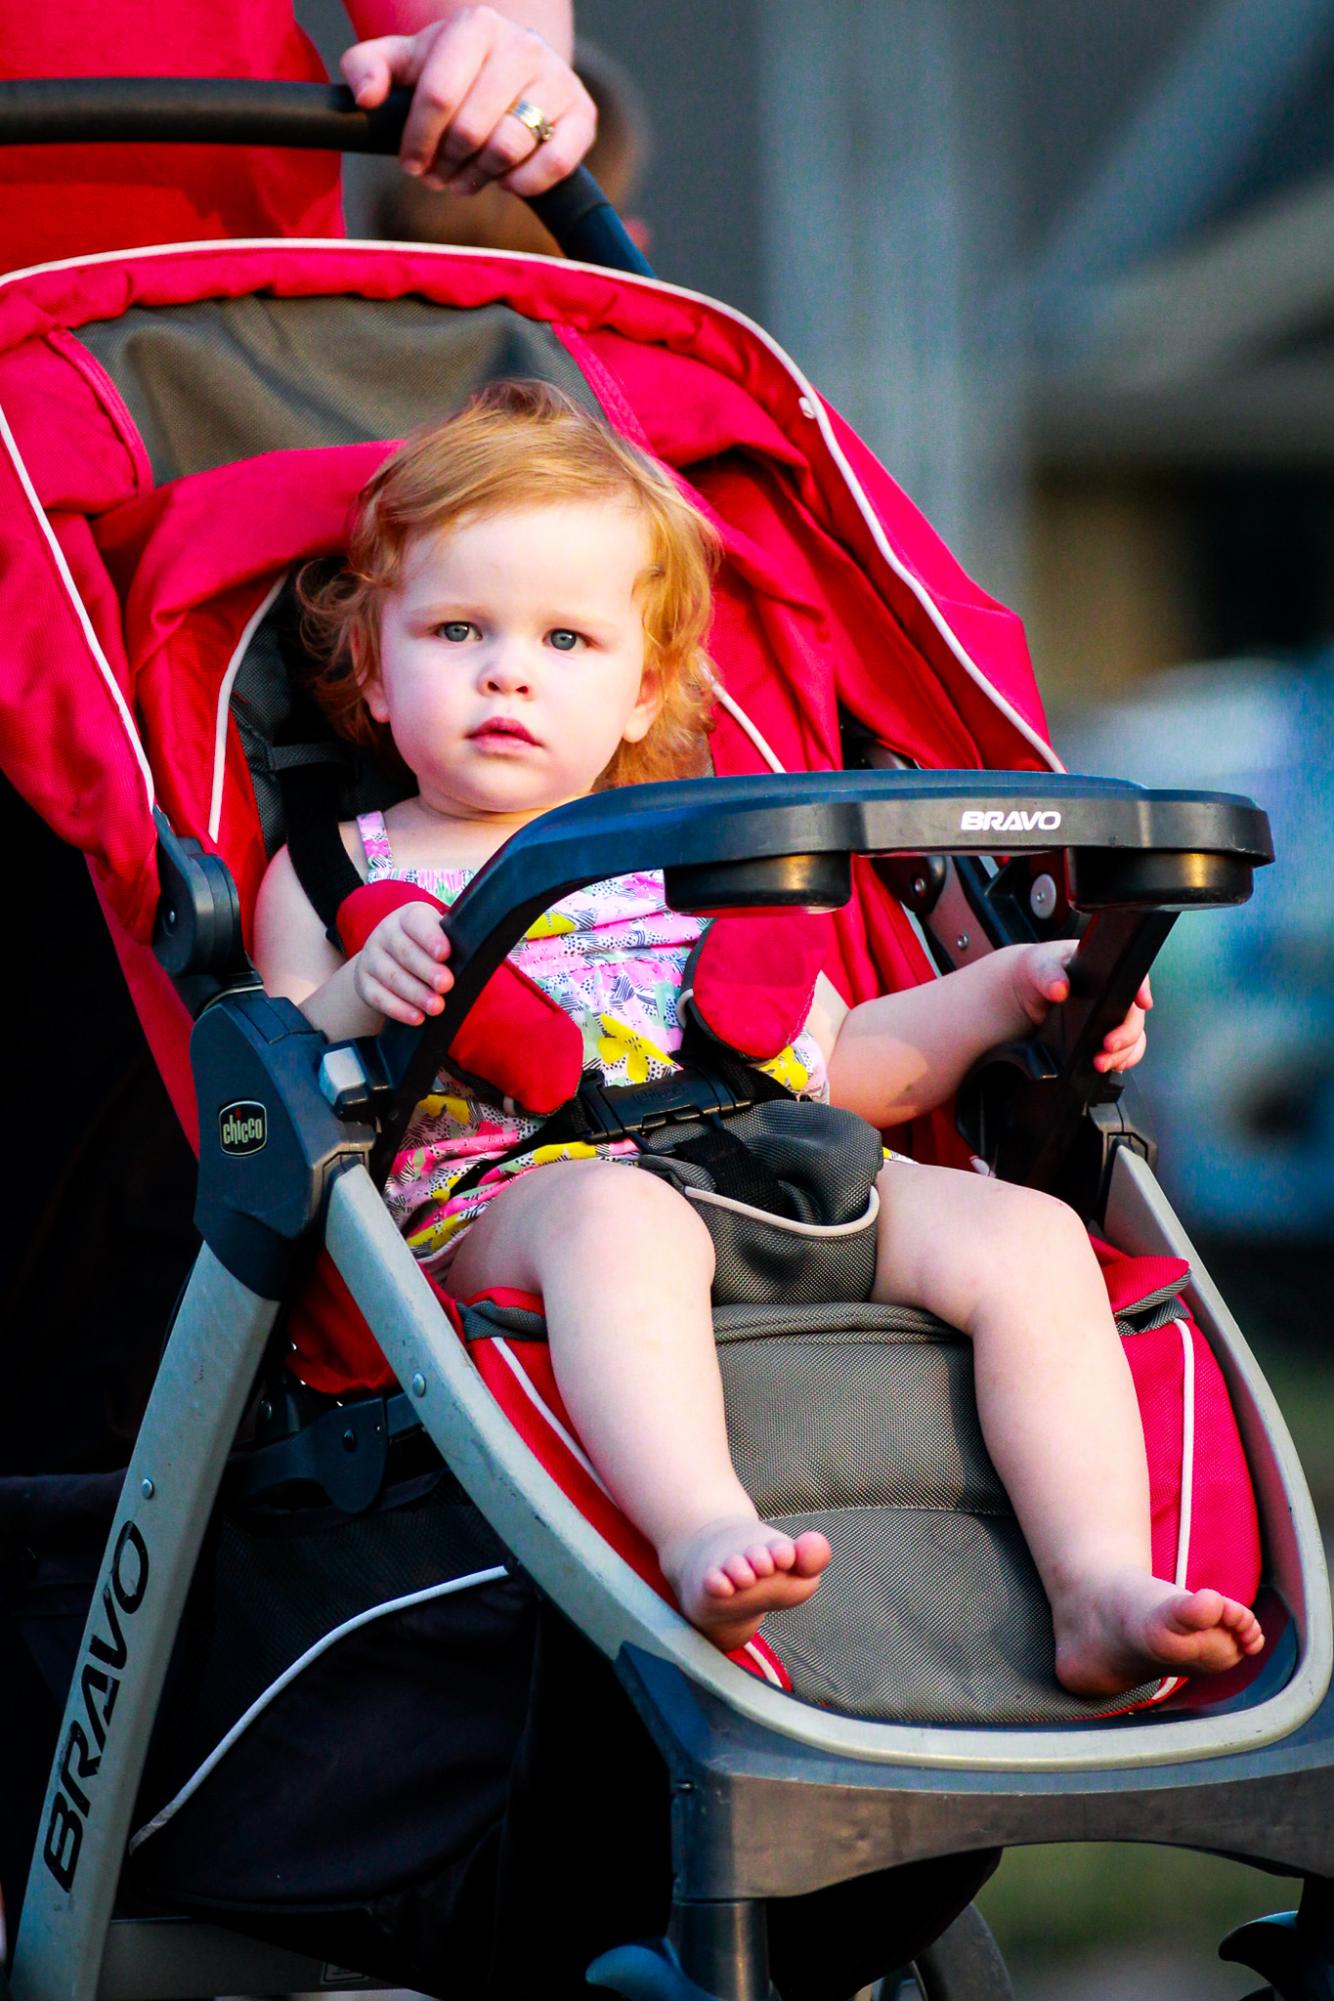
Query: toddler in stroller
[(521, 621)]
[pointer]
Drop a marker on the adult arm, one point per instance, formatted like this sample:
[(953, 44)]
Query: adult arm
[(467, 67)]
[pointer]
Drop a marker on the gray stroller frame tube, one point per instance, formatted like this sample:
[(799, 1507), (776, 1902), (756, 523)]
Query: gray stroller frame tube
[(214, 1352)]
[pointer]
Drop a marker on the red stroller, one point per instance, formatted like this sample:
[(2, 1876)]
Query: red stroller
[(183, 426)]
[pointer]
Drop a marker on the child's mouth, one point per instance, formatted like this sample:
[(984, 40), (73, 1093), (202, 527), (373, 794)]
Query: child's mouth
[(502, 730)]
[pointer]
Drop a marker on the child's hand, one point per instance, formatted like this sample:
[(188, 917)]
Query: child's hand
[(1041, 981), (400, 970)]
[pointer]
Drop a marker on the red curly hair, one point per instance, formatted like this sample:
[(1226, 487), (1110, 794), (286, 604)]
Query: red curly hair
[(520, 445)]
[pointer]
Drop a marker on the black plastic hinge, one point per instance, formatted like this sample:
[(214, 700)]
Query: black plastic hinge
[(197, 933), (270, 1141), (1032, 1125)]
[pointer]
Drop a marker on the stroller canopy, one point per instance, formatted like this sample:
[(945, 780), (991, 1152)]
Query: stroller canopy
[(181, 425)]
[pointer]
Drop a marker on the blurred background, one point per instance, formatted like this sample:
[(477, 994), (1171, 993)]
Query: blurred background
[(1069, 268)]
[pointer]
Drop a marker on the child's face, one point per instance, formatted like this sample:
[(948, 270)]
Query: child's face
[(512, 657)]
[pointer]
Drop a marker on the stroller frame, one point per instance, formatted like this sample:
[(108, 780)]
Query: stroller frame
[(1248, 1780), (864, 1795)]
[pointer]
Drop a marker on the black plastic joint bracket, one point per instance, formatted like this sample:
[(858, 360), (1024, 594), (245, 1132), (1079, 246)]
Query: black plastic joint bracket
[(270, 1142), (197, 932), (353, 1080)]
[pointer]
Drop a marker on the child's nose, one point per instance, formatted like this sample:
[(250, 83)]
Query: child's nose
[(506, 669)]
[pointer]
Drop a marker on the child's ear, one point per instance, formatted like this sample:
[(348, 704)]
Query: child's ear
[(647, 708), (367, 674)]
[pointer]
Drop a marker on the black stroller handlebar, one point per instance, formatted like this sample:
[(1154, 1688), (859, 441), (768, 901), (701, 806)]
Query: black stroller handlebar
[(762, 842), (224, 111), (738, 842)]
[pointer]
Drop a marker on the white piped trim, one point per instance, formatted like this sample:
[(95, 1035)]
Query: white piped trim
[(796, 1229), (765, 1666), (525, 1381), (100, 660), (806, 395), (739, 716), (248, 631), (539, 1403), (289, 1675), (1187, 1451), (1185, 1512)]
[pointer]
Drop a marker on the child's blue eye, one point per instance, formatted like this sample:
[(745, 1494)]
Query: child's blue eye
[(456, 630), (563, 639)]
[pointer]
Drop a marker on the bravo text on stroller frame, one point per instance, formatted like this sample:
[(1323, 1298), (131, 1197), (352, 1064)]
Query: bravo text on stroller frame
[(182, 428)]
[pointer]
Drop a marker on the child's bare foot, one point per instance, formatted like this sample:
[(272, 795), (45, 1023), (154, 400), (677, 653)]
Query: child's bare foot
[(1121, 1628), (731, 1572)]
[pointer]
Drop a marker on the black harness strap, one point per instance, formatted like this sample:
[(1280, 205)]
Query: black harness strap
[(312, 792), (738, 1171), (562, 1128), (312, 768)]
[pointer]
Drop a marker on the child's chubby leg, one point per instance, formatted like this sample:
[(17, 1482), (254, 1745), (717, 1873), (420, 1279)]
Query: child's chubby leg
[(1014, 1270), (624, 1267)]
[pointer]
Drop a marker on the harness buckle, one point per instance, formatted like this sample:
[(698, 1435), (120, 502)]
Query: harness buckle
[(623, 1111)]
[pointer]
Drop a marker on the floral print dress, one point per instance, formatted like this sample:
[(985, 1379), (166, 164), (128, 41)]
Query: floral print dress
[(612, 956)]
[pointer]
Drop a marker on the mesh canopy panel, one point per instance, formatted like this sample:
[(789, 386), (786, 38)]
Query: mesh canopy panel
[(225, 379)]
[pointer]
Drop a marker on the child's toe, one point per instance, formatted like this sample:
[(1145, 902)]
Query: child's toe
[(1250, 1633), (812, 1552), (1199, 1611)]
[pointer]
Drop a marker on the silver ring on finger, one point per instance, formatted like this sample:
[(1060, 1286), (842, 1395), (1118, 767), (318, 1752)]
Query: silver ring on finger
[(536, 120)]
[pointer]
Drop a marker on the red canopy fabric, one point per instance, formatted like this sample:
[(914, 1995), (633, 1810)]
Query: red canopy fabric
[(126, 602), (836, 590)]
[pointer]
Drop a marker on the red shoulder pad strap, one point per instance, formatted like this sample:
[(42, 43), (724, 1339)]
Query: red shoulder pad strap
[(755, 977), (359, 913), (515, 1037)]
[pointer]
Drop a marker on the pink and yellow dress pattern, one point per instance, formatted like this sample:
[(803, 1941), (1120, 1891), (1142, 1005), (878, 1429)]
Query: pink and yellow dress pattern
[(612, 956)]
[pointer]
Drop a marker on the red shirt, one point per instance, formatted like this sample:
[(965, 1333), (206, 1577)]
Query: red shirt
[(65, 201)]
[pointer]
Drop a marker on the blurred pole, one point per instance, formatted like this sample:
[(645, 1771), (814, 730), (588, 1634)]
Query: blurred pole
[(888, 234), (1189, 140)]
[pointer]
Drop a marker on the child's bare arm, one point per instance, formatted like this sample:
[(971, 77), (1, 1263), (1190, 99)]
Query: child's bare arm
[(399, 971), (904, 1054), (294, 957)]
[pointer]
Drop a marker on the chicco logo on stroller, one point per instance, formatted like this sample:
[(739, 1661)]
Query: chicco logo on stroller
[(243, 1127)]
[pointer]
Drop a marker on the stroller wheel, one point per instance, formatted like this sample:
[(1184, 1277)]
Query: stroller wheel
[(964, 1964)]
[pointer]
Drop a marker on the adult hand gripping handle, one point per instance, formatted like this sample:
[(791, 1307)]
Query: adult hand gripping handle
[(223, 111)]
